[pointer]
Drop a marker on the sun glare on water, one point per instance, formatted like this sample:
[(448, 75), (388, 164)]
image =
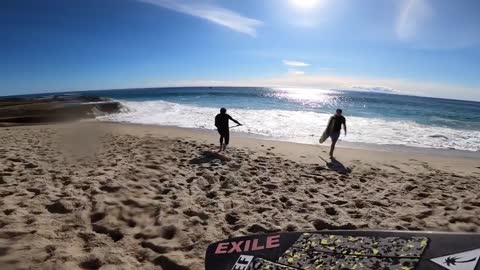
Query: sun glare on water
[(306, 96), (305, 4)]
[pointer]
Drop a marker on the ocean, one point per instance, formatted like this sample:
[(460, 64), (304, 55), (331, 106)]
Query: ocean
[(301, 115)]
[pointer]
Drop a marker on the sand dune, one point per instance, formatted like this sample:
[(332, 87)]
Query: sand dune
[(115, 196)]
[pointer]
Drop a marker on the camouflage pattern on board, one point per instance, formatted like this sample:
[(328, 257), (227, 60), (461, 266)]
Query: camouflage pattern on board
[(262, 264), (331, 261), (362, 246), (323, 251)]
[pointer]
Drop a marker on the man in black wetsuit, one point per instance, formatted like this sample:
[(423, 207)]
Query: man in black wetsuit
[(221, 122), (335, 126)]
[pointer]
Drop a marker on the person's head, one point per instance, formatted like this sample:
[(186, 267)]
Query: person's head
[(339, 112), (223, 111)]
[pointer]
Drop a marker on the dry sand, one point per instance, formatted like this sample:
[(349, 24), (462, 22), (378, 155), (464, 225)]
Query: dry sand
[(118, 196)]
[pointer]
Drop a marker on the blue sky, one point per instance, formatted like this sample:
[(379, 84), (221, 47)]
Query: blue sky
[(421, 47)]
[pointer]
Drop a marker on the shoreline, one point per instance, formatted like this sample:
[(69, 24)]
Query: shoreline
[(397, 148), (308, 153)]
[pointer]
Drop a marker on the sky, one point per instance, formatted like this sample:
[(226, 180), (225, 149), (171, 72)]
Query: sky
[(418, 47)]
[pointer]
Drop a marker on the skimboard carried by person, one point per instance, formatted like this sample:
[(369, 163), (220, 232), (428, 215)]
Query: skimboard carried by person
[(221, 122), (333, 129)]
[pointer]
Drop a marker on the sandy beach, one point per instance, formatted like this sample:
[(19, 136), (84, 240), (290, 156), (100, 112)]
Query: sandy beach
[(124, 196)]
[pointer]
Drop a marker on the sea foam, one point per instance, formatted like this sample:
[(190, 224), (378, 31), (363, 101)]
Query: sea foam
[(299, 126)]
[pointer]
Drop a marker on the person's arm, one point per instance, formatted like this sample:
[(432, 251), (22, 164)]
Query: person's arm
[(238, 123), (345, 127)]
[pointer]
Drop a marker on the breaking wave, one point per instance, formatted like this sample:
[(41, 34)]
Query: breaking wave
[(299, 126)]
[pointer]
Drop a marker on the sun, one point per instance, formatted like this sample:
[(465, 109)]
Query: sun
[(305, 4)]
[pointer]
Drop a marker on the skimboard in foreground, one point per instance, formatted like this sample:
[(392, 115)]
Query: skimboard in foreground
[(352, 250)]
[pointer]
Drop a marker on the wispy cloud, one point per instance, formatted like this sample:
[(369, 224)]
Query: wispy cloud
[(429, 24), (413, 14), (371, 88), (326, 68), (295, 63), (420, 88), (296, 72), (215, 14)]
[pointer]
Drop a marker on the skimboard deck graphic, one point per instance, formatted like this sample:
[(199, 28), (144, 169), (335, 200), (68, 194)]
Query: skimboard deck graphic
[(460, 261), (324, 137), (353, 250), (248, 262), (327, 131), (337, 251)]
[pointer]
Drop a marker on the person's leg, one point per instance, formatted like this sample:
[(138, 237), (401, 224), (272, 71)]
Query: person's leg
[(227, 139), (334, 137), (221, 140), (332, 147)]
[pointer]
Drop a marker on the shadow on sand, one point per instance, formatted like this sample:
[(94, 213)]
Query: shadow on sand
[(208, 157), (337, 166)]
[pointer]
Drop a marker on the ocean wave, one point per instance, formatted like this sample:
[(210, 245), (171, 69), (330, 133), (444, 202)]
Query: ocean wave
[(299, 126)]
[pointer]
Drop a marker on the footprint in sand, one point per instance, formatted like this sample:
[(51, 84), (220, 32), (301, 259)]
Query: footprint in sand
[(331, 211), (97, 216), (168, 232), (59, 207), (114, 234), (232, 218), (166, 263), (424, 214), (91, 263), (191, 213), (8, 211), (30, 220)]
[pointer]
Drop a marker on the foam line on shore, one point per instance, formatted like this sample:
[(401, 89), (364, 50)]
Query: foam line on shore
[(300, 126)]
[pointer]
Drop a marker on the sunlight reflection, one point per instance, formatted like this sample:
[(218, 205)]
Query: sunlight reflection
[(306, 4), (307, 96)]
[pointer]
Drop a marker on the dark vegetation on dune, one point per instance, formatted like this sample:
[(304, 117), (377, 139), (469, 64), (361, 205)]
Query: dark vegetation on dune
[(47, 109)]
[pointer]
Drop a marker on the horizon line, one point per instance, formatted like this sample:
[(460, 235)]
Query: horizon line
[(398, 93)]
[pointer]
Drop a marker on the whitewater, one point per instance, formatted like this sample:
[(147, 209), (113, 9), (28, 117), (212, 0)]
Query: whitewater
[(302, 126)]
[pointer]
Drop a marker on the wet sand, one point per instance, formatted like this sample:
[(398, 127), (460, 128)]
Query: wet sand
[(121, 196)]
